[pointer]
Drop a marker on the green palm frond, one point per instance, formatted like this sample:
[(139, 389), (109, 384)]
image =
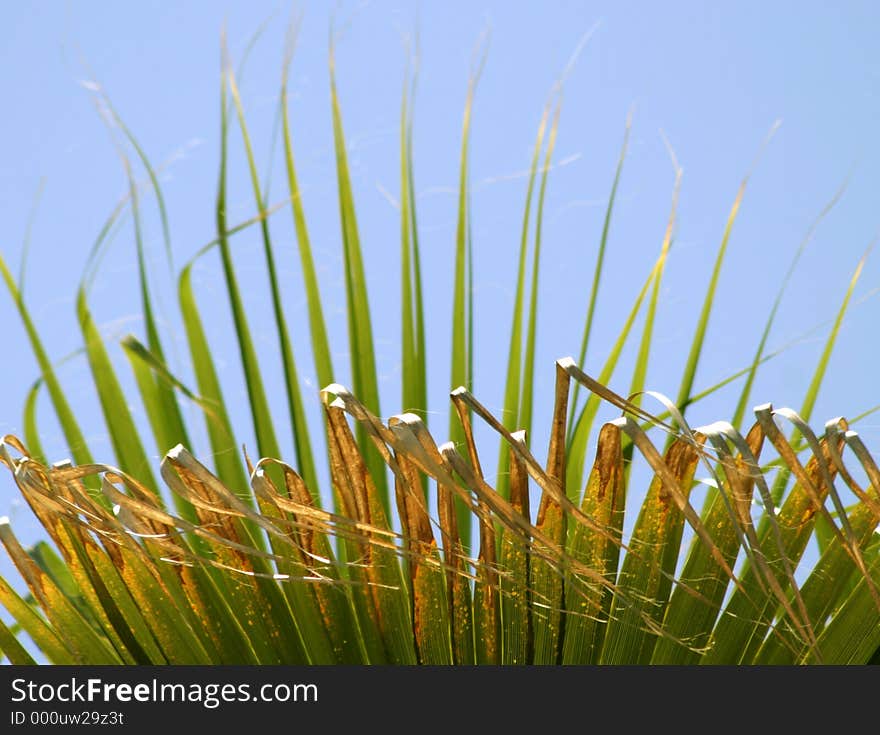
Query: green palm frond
[(419, 557)]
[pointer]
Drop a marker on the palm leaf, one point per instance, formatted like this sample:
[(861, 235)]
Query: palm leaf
[(250, 567), (550, 596)]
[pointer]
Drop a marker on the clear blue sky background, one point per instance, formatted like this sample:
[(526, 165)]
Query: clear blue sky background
[(712, 77)]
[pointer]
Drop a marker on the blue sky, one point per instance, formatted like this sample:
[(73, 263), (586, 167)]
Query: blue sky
[(712, 78)]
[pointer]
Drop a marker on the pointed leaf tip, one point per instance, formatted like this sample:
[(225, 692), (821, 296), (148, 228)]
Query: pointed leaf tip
[(176, 451)]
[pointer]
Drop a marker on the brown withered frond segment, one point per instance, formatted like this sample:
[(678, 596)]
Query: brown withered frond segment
[(276, 578)]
